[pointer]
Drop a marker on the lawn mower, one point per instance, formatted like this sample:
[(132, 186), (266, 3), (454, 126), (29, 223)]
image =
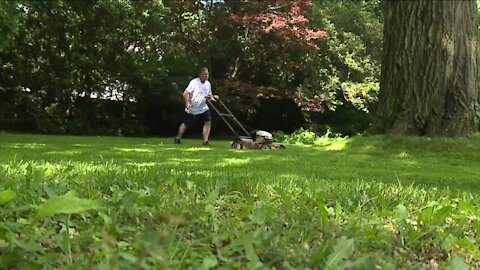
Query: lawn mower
[(244, 139)]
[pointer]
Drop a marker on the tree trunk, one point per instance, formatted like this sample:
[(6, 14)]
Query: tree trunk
[(429, 73)]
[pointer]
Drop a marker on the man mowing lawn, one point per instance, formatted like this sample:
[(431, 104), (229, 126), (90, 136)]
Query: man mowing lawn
[(196, 108)]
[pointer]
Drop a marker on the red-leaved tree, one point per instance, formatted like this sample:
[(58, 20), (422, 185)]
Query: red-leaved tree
[(254, 49), (272, 38)]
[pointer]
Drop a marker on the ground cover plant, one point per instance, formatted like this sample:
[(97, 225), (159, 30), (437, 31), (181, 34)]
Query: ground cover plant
[(145, 203)]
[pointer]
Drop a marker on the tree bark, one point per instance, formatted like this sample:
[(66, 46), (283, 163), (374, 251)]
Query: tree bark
[(429, 74)]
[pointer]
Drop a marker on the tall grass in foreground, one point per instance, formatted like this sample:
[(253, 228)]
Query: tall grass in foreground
[(360, 203)]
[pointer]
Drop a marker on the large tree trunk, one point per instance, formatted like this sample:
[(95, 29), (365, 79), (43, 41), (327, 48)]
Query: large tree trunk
[(429, 73)]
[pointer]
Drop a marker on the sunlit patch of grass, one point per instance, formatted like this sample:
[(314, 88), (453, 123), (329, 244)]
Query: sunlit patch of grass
[(137, 150), (25, 145), (184, 160), (141, 164), (170, 148), (402, 155), (288, 176), (80, 145), (232, 161), (66, 152), (337, 145), (206, 173), (197, 149)]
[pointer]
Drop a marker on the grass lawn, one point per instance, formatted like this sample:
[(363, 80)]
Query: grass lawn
[(145, 203)]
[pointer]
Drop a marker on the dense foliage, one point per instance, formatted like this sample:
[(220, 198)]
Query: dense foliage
[(117, 67), (67, 51), (9, 12)]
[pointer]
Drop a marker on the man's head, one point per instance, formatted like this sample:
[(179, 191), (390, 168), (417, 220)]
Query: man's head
[(203, 74)]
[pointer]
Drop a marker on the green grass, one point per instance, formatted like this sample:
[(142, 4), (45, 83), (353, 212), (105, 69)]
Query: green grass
[(145, 203)]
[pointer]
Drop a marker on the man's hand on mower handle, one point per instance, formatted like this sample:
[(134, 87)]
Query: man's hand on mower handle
[(188, 106), (213, 97)]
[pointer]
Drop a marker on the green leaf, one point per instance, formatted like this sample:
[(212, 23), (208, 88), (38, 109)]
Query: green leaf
[(66, 204), (213, 196), (341, 252), (128, 257), (128, 201), (259, 215), (209, 208), (323, 212), (209, 262), (190, 185), (401, 213), (6, 196), (441, 214), (251, 254), (49, 191), (365, 262), (457, 263), (426, 215), (338, 210), (28, 246), (466, 206)]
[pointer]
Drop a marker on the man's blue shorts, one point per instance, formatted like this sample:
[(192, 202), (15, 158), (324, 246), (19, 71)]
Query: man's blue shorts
[(192, 119)]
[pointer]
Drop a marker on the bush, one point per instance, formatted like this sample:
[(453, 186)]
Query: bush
[(279, 136), (307, 137), (300, 136)]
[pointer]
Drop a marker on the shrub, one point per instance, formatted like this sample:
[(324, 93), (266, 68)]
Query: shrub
[(307, 137)]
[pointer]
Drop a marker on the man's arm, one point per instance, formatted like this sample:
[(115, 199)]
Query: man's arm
[(186, 98), (211, 96)]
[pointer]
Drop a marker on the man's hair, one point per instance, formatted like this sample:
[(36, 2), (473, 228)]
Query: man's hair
[(202, 69)]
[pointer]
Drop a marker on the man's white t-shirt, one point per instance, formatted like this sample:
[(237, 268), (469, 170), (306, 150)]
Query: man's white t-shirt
[(198, 93)]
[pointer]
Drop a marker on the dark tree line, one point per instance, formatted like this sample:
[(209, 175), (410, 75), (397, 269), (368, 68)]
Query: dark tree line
[(118, 67)]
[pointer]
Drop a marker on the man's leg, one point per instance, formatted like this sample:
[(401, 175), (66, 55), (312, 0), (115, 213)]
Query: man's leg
[(188, 121), (206, 131), (181, 131), (207, 124)]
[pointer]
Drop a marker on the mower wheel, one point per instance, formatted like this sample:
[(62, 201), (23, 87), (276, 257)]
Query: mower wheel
[(236, 146), (266, 147)]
